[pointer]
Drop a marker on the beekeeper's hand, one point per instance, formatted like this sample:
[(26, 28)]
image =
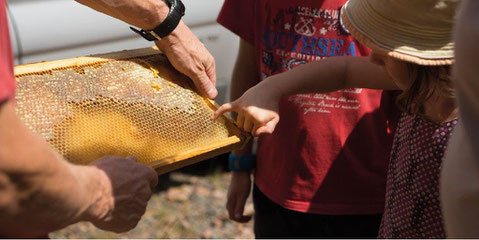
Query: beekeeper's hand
[(124, 193), (189, 56), (257, 109)]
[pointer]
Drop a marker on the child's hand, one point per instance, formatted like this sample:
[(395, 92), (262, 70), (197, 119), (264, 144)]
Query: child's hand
[(257, 109)]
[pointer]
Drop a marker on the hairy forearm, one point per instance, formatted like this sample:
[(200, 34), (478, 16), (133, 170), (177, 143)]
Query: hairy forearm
[(146, 14), (331, 74), (39, 191)]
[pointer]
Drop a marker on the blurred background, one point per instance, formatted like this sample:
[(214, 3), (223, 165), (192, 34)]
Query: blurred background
[(188, 203)]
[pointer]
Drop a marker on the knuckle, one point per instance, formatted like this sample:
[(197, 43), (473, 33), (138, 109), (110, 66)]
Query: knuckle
[(248, 110), (261, 120), (199, 66)]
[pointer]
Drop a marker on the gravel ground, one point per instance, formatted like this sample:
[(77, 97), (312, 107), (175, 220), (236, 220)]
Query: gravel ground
[(187, 206)]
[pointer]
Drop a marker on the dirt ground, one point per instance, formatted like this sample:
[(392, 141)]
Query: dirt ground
[(186, 204)]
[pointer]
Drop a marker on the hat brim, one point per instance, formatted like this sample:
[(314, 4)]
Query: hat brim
[(370, 43)]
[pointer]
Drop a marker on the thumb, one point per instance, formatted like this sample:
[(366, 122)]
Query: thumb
[(211, 70), (239, 209), (204, 84)]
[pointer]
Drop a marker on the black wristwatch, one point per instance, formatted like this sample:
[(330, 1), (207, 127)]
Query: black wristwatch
[(177, 10)]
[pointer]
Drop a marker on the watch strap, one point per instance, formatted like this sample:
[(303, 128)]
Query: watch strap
[(177, 11)]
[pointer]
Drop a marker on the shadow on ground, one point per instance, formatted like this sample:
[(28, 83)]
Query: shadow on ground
[(203, 168)]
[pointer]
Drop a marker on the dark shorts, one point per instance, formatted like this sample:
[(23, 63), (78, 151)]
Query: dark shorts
[(274, 221)]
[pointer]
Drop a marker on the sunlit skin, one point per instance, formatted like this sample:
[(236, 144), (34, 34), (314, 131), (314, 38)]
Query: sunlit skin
[(184, 50), (258, 107), (395, 68)]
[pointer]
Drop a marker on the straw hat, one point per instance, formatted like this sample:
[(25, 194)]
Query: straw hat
[(417, 31)]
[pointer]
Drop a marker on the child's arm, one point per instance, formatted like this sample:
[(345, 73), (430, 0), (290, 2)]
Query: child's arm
[(260, 103), (332, 74), (245, 76)]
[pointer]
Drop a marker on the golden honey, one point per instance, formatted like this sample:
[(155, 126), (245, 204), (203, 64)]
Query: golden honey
[(139, 106)]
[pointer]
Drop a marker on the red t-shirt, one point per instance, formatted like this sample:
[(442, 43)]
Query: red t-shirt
[(329, 152), (7, 81)]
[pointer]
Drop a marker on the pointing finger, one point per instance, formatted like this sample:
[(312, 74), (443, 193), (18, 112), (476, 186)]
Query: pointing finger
[(227, 107)]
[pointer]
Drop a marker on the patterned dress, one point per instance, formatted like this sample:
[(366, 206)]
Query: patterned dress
[(412, 195)]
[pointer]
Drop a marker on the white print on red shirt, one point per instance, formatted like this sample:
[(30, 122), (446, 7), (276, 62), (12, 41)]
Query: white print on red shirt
[(326, 102), (298, 35)]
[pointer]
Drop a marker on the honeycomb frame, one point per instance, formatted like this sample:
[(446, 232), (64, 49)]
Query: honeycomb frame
[(236, 138)]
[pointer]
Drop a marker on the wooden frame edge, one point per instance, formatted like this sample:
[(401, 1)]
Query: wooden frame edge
[(79, 61), (196, 155)]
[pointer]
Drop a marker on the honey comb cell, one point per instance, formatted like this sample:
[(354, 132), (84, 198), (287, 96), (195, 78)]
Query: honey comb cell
[(129, 103)]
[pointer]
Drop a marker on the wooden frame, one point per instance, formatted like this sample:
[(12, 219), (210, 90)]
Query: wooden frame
[(237, 140)]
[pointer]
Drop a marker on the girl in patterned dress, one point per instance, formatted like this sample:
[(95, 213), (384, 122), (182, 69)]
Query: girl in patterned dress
[(412, 51)]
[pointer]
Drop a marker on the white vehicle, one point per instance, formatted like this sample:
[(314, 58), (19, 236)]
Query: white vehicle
[(44, 30)]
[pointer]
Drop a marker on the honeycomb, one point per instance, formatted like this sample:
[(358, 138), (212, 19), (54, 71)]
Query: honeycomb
[(138, 106)]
